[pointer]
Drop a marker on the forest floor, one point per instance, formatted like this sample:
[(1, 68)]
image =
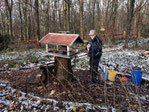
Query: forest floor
[(19, 90)]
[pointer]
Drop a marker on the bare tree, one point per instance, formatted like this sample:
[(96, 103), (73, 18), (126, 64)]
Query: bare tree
[(73, 19), (9, 5), (21, 19), (81, 18), (115, 6), (54, 15), (107, 4), (98, 13), (67, 10), (37, 17), (60, 15), (129, 19), (66, 15), (138, 19), (3, 20), (25, 14), (93, 11), (47, 13)]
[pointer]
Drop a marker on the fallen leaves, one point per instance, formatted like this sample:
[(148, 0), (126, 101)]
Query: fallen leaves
[(52, 92), (77, 93), (40, 87), (54, 82), (145, 53)]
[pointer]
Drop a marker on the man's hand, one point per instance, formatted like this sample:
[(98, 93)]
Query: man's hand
[(88, 47)]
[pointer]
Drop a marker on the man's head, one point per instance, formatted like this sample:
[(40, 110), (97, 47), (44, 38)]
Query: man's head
[(92, 33)]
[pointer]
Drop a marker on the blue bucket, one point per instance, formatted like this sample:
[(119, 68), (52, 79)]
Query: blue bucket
[(136, 76)]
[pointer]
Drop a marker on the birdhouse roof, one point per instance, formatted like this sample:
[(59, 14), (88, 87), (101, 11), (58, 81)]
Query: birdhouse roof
[(61, 39)]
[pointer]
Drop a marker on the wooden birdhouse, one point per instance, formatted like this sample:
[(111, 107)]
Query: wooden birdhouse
[(63, 45)]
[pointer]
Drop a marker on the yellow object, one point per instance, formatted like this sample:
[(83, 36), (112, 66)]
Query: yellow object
[(112, 75), (139, 35), (74, 108), (85, 41)]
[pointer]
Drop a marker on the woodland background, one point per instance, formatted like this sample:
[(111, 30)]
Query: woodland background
[(29, 19), (25, 69)]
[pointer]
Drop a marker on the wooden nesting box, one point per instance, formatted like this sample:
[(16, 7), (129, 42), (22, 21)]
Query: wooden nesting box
[(64, 51), (63, 44)]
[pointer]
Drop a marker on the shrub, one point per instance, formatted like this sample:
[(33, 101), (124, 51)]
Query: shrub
[(4, 41)]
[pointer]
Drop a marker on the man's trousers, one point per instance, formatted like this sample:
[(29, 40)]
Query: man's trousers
[(94, 68)]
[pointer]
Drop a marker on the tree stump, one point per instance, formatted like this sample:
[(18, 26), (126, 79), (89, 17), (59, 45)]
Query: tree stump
[(63, 69), (47, 72)]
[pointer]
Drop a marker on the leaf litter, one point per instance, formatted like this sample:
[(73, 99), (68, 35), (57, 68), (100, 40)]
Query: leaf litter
[(17, 94)]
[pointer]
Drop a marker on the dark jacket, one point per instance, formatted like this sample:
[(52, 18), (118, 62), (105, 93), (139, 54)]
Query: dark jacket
[(96, 47)]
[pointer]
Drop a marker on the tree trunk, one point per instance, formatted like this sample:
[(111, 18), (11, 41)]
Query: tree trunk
[(30, 30), (37, 18), (130, 16), (20, 12), (54, 15), (93, 21), (90, 26), (3, 23), (81, 18), (68, 15), (136, 30), (7, 23), (48, 17), (10, 15), (25, 13), (73, 18), (106, 13), (98, 13), (29, 33), (115, 5), (66, 8), (65, 11), (59, 17), (137, 22), (63, 70)]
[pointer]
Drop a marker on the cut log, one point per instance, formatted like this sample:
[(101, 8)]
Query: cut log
[(63, 69)]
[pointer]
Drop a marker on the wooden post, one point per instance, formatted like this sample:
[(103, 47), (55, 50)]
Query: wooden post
[(124, 34), (139, 35), (57, 47), (37, 39), (68, 50), (46, 47)]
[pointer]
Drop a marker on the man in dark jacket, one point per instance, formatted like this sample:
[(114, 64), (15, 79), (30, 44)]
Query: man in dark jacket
[(94, 48)]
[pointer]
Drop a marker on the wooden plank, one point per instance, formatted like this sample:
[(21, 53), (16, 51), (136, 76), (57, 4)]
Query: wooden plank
[(62, 55)]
